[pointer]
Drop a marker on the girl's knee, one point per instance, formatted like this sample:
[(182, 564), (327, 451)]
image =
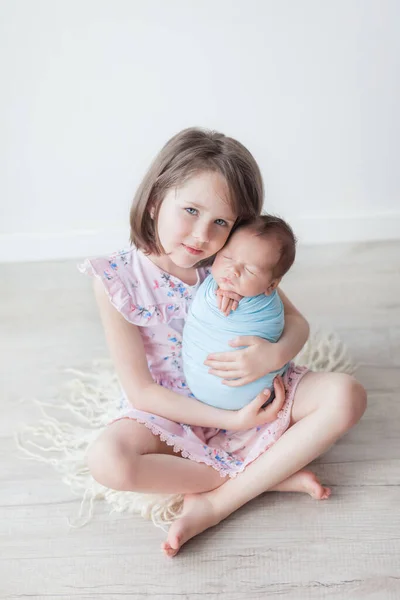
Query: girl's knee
[(349, 400), (110, 465)]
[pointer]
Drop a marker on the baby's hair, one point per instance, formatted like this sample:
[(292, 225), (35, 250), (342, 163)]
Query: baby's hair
[(268, 226), (195, 150)]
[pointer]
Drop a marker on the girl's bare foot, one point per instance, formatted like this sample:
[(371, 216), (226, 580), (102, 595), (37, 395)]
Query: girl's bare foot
[(198, 513), (304, 481)]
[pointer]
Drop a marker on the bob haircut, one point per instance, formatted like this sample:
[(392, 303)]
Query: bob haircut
[(192, 151)]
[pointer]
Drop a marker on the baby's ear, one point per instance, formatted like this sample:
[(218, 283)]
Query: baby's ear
[(272, 286)]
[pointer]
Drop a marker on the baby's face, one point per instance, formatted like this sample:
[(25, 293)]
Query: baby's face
[(245, 264)]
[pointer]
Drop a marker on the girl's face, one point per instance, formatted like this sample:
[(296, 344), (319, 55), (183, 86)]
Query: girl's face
[(195, 219)]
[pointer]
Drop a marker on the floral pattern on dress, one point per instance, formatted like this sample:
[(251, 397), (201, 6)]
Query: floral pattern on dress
[(175, 352), (112, 271), (146, 312), (171, 308), (107, 274), (175, 288), (223, 458), (123, 256)]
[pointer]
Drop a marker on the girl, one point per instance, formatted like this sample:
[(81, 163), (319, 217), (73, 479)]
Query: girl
[(199, 188)]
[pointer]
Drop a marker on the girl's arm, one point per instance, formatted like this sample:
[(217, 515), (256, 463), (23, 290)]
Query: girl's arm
[(127, 352), (295, 332)]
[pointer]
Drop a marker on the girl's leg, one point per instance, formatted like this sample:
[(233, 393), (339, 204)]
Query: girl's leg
[(326, 405), (127, 456)]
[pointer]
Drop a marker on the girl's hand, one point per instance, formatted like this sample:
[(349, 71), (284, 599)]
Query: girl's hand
[(244, 366), (253, 415), (227, 301)]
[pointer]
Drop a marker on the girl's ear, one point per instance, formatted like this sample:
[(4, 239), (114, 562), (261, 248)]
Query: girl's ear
[(272, 286)]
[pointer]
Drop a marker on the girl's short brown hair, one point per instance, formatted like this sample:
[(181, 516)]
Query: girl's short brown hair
[(190, 151)]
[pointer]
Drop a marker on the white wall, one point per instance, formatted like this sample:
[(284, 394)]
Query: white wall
[(93, 88)]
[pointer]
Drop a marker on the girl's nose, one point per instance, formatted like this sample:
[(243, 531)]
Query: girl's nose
[(201, 233)]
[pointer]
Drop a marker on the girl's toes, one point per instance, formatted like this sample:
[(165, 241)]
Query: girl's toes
[(327, 493), (172, 545), (168, 551)]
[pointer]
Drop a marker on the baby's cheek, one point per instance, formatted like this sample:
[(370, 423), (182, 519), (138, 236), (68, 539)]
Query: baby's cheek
[(216, 270), (244, 289)]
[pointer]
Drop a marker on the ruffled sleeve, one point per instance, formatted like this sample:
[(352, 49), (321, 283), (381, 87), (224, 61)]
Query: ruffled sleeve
[(133, 289)]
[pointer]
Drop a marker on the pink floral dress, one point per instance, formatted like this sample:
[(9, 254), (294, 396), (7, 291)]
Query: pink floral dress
[(157, 303)]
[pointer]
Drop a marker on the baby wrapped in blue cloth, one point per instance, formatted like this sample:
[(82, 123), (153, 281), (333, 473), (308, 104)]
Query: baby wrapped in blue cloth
[(251, 264)]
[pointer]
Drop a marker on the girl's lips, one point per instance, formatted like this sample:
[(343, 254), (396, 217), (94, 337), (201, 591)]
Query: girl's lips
[(192, 250)]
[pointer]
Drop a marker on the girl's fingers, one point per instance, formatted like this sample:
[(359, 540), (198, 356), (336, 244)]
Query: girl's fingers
[(224, 374), (280, 393), (244, 340), (278, 402), (222, 366), (270, 413), (213, 359), (278, 385), (262, 398), (235, 305)]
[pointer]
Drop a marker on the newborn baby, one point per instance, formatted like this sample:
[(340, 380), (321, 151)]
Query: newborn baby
[(251, 264)]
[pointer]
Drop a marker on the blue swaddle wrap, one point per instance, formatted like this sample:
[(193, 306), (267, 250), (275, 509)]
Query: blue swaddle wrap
[(207, 331)]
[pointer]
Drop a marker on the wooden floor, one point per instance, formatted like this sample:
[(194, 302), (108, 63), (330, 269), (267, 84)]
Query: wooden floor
[(279, 545)]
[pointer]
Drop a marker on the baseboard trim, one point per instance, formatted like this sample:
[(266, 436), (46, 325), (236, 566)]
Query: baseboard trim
[(330, 230), (34, 247)]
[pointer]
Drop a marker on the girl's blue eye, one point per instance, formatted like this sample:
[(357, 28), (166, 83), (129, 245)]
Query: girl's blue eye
[(194, 211)]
